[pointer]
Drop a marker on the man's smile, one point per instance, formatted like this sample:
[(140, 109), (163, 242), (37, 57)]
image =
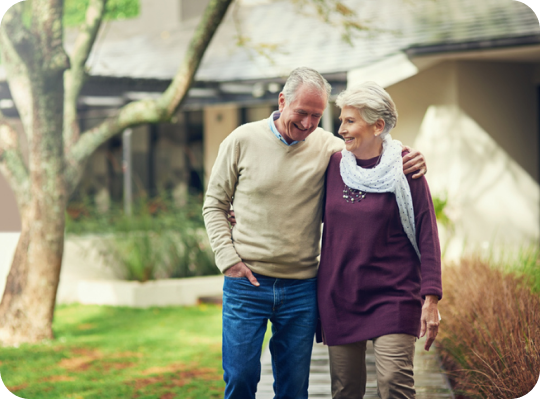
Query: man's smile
[(299, 128)]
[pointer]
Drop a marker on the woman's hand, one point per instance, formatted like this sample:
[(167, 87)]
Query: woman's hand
[(430, 320), (414, 161), (231, 218)]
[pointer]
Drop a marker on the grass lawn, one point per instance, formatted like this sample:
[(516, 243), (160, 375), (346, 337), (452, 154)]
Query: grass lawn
[(111, 352)]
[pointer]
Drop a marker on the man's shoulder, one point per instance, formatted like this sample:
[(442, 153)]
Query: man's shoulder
[(250, 127), (248, 131), (327, 139)]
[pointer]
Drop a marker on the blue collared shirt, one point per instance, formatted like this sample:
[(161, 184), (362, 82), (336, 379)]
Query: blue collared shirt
[(271, 121)]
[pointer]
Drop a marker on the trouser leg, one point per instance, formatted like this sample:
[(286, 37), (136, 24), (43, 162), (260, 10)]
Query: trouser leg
[(348, 370), (293, 327), (245, 313), (394, 356)]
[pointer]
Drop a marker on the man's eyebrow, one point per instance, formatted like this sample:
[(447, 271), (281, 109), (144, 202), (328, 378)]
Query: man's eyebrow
[(302, 111)]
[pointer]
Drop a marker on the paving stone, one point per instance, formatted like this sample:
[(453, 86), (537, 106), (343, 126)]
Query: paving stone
[(430, 381)]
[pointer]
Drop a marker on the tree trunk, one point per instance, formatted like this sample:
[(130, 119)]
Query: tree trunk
[(26, 310), (27, 306), (35, 62)]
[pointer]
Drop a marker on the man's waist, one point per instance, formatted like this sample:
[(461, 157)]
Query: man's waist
[(287, 271)]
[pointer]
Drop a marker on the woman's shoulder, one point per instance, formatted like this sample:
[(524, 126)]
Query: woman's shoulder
[(333, 165), (336, 157)]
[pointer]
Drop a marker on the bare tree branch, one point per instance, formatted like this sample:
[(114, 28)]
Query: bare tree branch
[(47, 32), (12, 164), (75, 77), (337, 14), (150, 111), (13, 37)]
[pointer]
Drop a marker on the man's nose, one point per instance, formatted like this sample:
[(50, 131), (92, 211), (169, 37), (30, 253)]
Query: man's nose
[(306, 122)]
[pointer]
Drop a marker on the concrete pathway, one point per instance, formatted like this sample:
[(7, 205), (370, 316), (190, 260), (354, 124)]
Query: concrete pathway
[(429, 381)]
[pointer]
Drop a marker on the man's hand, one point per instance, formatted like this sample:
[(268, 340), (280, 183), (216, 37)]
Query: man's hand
[(430, 320), (241, 270), (414, 161)]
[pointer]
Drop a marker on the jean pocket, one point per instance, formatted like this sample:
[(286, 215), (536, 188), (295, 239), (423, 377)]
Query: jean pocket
[(235, 278)]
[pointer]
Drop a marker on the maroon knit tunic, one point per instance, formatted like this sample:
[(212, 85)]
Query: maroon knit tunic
[(370, 280)]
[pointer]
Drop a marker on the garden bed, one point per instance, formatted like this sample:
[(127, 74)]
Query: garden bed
[(167, 292), (490, 333)]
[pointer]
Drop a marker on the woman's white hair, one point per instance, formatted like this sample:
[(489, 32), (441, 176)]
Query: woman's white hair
[(373, 103), (305, 76)]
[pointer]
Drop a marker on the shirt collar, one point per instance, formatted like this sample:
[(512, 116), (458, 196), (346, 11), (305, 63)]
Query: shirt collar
[(271, 121)]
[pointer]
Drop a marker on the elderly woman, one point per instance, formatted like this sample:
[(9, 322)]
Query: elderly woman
[(380, 272)]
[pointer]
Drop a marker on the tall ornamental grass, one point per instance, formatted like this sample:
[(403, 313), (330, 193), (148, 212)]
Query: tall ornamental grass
[(490, 330)]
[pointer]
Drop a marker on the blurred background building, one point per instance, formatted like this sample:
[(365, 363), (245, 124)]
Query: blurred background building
[(465, 75)]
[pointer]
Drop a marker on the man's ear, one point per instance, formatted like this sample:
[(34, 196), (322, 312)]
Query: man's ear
[(281, 102)]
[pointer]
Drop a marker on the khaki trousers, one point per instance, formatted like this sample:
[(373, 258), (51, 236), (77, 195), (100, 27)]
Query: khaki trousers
[(394, 355)]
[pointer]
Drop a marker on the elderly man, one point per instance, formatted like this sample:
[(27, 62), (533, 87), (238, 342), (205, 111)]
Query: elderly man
[(274, 170)]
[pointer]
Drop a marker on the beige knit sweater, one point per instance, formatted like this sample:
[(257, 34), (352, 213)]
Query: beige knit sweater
[(277, 191)]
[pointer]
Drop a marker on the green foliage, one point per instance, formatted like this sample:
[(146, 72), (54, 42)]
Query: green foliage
[(75, 10), (439, 204), (160, 239), (524, 262), (103, 352)]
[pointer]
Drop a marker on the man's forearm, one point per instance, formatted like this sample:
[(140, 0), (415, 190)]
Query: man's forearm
[(219, 233)]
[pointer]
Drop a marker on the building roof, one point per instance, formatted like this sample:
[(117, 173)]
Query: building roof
[(131, 49), (143, 49)]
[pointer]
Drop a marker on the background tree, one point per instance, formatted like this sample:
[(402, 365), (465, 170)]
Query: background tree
[(45, 84)]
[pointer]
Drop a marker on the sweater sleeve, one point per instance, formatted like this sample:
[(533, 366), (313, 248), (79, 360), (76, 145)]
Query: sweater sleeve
[(219, 197), (427, 237)]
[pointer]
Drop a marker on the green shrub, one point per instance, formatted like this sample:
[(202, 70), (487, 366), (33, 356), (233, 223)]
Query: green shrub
[(75, 10), (159, 240)]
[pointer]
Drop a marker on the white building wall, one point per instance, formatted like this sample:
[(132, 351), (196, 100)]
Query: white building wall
[(476, 123)]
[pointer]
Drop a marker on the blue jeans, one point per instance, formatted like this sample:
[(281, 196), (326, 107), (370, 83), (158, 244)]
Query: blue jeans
[(291, 306)]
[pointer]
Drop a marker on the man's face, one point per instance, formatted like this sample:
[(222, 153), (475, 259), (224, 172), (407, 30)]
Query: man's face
[(301, 117)]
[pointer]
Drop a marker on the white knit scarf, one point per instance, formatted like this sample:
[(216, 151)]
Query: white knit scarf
[(386, 177)]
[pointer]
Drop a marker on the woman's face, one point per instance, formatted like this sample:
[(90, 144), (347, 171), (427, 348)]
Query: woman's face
[(357, 133)]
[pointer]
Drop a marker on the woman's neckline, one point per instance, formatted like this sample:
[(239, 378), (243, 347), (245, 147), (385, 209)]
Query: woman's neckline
[(367, 163)]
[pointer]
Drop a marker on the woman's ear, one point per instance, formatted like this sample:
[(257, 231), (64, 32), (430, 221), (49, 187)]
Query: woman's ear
[(379, 127)]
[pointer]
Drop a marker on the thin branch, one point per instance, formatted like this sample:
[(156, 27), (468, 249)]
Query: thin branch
[(267, 50), (13, 25), (75, 77), (150, 111), (15, 38), (12, 163), (337, 14)]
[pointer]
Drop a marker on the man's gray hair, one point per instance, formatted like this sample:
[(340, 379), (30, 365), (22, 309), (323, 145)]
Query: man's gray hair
[(373, 103), (305, 76)]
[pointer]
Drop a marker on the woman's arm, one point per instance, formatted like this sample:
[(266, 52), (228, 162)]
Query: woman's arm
[(427, 239)]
